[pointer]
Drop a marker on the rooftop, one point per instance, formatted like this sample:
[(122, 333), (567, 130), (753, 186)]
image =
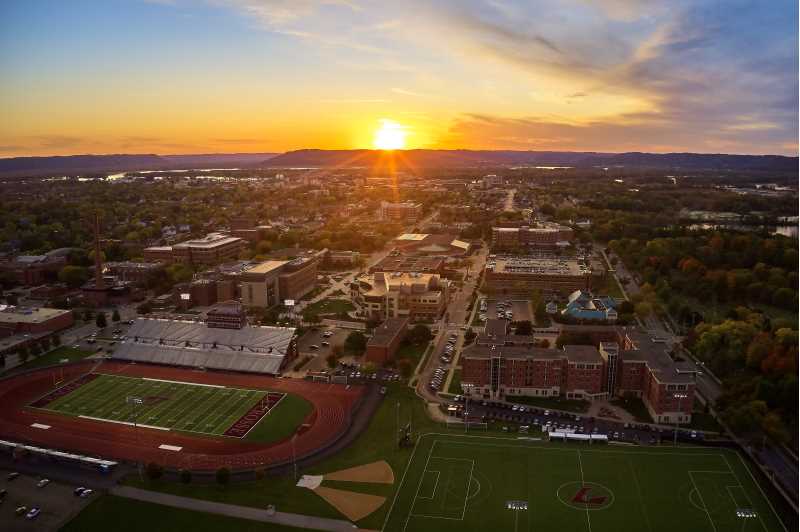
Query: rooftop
[(266, 267), (387, 331), (11, 314), (211, 240), (539, 265)]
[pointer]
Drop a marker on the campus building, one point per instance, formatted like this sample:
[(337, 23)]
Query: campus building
[(24, 326), (405, 212), (542, 235), (418, 296), (33, 270), (396, 262), (621, 363), (386, 340), (273, 282), (548, 274), (212, 249), (431, 244), (583, 306)]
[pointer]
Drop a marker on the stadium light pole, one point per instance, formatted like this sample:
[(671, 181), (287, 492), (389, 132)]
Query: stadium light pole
[(678, 396), (294, 456)]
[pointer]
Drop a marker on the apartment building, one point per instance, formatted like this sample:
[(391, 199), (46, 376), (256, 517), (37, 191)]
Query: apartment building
[(622, 363)]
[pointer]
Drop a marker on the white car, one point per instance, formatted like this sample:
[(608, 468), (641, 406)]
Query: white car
[(33, 513), (42, 483)]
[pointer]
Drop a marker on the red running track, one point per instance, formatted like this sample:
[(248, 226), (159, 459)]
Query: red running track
[(332, 404)]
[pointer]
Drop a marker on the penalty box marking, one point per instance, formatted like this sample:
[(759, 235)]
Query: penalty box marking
[(426, 471)]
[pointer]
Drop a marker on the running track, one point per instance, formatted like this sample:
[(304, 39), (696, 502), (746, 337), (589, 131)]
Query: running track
[(328, 420)]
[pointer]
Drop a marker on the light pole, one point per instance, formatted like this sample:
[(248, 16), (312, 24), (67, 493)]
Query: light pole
[(678, 396), (294, 456)]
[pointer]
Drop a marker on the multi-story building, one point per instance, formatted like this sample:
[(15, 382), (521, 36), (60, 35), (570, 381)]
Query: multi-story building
[(418, 296), (32, 270), (273, 282), (396, 262), (549, 274), (401, 212), (134, 272), (386, 339), (25, 320), (212, 249), (542, 235), (623, 363), (431, 244)]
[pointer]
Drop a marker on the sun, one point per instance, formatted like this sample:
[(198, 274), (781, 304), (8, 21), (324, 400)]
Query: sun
[(390, 136)]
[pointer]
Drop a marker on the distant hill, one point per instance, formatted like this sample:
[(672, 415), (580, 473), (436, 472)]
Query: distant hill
[(91, 164), (450, 158)]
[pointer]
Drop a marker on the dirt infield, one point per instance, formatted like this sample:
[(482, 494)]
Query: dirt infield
[(377, 472), (353, 505), (327, 421)]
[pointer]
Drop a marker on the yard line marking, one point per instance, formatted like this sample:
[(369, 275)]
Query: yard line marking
[(124, 423), (436, 485), (583, 481), (699, 494)]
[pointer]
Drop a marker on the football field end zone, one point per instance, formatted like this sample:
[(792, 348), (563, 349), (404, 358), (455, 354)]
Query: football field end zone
[(403, 495)]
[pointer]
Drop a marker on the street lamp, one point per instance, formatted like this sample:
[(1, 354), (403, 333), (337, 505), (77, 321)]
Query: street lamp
[(678, 396)]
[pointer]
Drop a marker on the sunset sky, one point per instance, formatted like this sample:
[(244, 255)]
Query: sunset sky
[(202, 76)]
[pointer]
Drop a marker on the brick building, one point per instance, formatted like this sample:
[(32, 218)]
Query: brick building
[(621, 363), (401, 212), (542, 235), (418, 296), (386, 340), (212, 249), (550, 274), (272, 282)]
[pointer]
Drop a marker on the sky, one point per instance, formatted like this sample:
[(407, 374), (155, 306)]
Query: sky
[(208, 76)]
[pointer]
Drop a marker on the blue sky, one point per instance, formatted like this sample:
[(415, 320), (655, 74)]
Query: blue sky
[(175, 76)]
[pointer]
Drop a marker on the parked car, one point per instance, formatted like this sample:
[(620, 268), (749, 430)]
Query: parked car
[(42, 483), (35, 511)]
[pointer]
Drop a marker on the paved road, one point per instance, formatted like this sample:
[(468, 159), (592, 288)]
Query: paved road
[(456, 317), (231, 510)]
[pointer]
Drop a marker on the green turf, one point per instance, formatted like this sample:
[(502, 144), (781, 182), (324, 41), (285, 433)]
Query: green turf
[(173, 405), (128, 515), (455, 383), (463, 484), (282, 421), (556, 403), (54, 357), (328, 306)]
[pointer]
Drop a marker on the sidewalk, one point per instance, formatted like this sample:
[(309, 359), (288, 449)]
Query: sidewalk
[(231, 510)]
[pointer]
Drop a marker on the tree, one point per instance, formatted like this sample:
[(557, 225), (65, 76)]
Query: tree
[(185, 476), (223, 476), (469, 336), (88, 315), (73, 276), (331, 360), (144, 308), (524, 328), (100, 320), (36, 350), (356, 343), (154, 471), (115, 316), (420, 334), (24, 354), (56, 340)]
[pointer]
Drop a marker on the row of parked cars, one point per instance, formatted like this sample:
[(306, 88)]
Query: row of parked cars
[(449, 349), (34, 511), (439, 375)]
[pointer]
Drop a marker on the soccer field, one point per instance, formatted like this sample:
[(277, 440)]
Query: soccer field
[(183, 406), (463, 483)]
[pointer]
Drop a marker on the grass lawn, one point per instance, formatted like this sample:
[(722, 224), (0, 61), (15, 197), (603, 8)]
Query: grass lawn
[(463, 484), (282, 420), (128, 515), (570, 405), (328, 306), (609, 288), (455, 382), (411, 352), (54, 357), (635, 407)]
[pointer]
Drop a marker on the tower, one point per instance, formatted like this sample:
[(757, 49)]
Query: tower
[(99, 283)]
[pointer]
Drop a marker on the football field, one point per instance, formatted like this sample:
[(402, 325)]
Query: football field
[(465, 483), (172, 405)]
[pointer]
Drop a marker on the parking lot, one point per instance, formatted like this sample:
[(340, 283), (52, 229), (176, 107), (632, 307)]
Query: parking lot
[(318, 342), (513, 417), (57, 502), (513, 310)]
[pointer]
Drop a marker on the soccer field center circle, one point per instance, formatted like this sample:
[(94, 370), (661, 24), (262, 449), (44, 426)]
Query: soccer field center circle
[(582, 495), (332, 407)]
